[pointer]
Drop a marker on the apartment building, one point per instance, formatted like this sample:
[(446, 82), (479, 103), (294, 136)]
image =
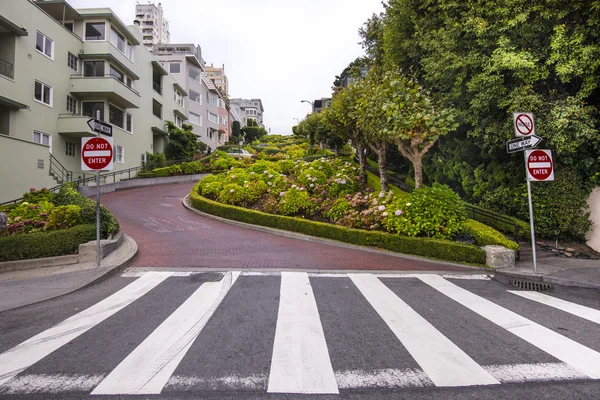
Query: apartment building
[(58, 67), (152, 23), (218, 77), (249, 109), (205, 106)]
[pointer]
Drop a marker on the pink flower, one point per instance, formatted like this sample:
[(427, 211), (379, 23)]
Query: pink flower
[(381, 208), (398, 213)]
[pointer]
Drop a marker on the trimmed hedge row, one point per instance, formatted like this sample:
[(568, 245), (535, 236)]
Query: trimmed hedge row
[(45, 244), (485, 235), (432, 248)]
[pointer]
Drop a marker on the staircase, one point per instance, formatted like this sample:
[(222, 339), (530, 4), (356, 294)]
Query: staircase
[(59, 173)]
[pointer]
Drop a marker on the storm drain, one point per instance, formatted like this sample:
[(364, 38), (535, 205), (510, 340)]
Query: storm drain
[(206, 277), (535, 286)]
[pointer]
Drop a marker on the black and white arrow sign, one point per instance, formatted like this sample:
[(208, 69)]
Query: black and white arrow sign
[(516, 145), (100, 127)]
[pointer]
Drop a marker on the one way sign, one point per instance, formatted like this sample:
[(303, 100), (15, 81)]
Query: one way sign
[(516, 145), (99, 126)]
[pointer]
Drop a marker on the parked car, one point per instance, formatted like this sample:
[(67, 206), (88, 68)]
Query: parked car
[(239, 153)]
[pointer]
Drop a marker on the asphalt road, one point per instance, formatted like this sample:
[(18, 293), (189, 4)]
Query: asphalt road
[(287, 335), (168, 235)]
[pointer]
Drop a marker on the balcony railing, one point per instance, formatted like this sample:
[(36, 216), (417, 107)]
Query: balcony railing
[(7, 69), (80, 76), (157, 87)]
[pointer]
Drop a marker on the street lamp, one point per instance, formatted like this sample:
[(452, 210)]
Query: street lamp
[(306, 101)]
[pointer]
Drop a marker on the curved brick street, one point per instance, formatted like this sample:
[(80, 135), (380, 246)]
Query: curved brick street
[(168, 235)]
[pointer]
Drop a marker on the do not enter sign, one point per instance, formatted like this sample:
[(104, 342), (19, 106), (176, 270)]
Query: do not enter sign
[(96, 154), (540, 166)]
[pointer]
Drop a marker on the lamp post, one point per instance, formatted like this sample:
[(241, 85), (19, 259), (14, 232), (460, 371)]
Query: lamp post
[(306, 101)]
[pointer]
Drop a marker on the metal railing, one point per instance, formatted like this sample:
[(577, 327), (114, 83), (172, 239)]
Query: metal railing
[(116, 78), (7, 69), (157, 87), (58, 171), (497, 221)]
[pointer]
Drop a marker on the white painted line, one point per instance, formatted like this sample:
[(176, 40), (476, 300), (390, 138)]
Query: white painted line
[(300, 362), (540, 165), (30, 384), (542, 372), (388, 378), (33, 350), (444, 362), (569, 351), (588, 313), (96, 153), (147, 369), (233, 382)]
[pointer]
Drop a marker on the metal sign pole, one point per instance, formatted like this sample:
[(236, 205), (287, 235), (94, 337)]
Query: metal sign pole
[(98, 207), (531, 216)]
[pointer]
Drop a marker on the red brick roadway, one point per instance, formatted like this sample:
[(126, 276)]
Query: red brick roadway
[(168, 235)]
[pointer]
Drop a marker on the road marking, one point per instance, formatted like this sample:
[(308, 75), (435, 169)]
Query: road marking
[(588, 313), (388, 378), (147, 369), (24, 355), (233, 382), (300, 361), (444, 362), (541, 372), (576, 355), (51, 383)]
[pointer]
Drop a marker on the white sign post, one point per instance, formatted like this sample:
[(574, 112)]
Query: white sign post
[(97, 155)]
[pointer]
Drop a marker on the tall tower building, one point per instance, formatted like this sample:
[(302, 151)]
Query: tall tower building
[(152, 24), (218, 77)]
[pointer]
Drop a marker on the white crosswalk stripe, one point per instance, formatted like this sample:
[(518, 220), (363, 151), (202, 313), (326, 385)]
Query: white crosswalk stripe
[(299, 358)]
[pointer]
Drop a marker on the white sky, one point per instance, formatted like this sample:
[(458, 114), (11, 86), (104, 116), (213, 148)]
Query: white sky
[(281, 51)]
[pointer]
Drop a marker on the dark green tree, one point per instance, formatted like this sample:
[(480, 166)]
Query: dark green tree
[(183, 143)]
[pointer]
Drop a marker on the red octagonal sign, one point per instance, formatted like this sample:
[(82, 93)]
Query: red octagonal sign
[(96, 154), (540, 166)]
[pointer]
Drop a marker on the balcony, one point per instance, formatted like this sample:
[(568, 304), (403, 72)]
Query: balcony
[(106, 51), (107, 86), (74, 126), (7, 69)]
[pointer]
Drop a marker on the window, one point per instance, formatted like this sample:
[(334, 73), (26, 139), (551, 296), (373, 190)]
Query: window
[(72, 62), (69, 26), (195, 97), (178, 97), (213, 118), (178, 120), (213, 99), (93, 68), (163, 64), (119, 154), (156, 108), (118, 40), (129, 123), (115, 73), (94, 109), (221, 120), (71, 148), (95, 31), (195, 119), (130, 51), (43, 93), (71, 105), (115, 116), (194, 74), (44, 45), (218, 81), (175, 67), (144, 158), (43, 138), (210, 134)]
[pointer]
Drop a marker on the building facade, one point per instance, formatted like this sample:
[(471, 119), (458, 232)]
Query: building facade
[(60, 66), (205, 106), (249, 109), (218, 78), (152, 23)]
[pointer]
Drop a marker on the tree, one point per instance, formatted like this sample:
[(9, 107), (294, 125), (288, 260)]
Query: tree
[(342, 118), (253, 132), (236, 131), (398, 110), (183, 143)]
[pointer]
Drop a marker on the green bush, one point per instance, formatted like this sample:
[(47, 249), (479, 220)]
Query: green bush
[(145, 175), (484, 235), (339, 208), (37, 196), (296, 201), (36, 212), (161, 172), (64, 217), (432, 248), (433, 211), (234, 194), (45, 244)]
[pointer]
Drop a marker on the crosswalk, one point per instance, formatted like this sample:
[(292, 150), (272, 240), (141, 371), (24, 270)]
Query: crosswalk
[(295, 332)]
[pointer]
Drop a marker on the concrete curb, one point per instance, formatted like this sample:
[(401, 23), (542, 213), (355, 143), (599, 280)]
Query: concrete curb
[(314, 239), (88, 191), (116, 262), (504, 277)]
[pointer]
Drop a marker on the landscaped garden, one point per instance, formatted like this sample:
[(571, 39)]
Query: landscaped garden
[(45, 224)]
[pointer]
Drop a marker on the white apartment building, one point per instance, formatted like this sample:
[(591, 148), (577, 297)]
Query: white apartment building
[(58, 67), (249, 109), (204, 106), (152, 23)]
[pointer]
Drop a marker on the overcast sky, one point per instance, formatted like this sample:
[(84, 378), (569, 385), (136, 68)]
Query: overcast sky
[(281, 51)]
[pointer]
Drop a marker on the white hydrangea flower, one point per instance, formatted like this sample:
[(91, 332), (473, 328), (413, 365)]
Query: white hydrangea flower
[(232, 176), (408, 204), (294, 186), (312, 185), (281, 194), (266, 172), (252, 173), (231, 191), (398, 213), (385, 214), (270, 183), (381, 194), (270, 175), (381, 208)]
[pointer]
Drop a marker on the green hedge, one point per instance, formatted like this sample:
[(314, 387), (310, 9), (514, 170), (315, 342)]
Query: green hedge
[(45, 244), (484, 235), (161, 172), (439, 249)]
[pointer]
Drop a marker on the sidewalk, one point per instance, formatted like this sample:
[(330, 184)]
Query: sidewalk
[(22, 288), (557, 270)]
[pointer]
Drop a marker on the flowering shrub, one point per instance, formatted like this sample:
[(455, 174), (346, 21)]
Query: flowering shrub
[(430, 211), (311, 178), (37, 196), (337, 210), (35, 212), (233, 194), (296, 201), (64, 217), (254, 191)]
